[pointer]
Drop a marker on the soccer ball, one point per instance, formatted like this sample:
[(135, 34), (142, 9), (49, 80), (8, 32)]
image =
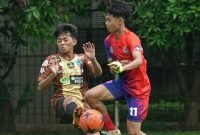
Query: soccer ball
[(91, 121)]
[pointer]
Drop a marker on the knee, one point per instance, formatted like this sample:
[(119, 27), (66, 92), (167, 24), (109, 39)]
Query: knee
[(91, 98), (89, 95)]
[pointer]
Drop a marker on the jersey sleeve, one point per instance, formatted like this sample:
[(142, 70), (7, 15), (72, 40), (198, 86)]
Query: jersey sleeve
[(45, 70), (135, 44), (107, 47)]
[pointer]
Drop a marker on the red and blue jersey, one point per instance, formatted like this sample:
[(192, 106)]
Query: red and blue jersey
[(135, 81)]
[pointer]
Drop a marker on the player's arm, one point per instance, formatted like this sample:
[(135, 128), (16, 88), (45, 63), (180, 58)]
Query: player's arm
[(43, 84), (96, 70), (112, 68), (47, 74), (89, 50), (137, 62), (109, 54)]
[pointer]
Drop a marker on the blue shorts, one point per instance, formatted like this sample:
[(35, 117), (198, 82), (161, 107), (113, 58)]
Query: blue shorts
[(137, 107)]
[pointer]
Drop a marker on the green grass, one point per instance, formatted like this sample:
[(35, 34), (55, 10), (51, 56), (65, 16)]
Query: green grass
[(148, 133), (173, 133)]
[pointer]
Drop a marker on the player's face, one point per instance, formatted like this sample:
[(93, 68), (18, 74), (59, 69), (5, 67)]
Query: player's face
[(66, 43), (112, 23)]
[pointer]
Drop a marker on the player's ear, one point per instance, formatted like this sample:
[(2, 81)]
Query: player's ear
[(121, 20), (75, 41)]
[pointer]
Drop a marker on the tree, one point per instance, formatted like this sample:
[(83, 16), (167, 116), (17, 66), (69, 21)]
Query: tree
[(21, 19), (169, 26)]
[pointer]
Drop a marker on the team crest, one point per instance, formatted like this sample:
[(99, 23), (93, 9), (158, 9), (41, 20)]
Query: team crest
[(70, 65), (125, 50)]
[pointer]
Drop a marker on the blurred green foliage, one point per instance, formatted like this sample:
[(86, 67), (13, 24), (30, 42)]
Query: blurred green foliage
[(164, 24)]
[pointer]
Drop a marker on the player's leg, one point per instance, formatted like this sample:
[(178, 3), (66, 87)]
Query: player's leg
[(95, 96), (69, 109), (142, 133), (105, 92), (134, 128), (137, 113), (60, 111), (74, 107)]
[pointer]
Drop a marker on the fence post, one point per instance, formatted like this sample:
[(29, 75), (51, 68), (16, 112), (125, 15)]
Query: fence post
[(116, 107)]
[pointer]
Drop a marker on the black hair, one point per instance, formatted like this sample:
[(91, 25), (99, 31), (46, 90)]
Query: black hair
[(119, 9), (66, 28)]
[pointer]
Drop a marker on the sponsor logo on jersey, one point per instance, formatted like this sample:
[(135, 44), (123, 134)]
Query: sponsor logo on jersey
[(70, 65), (65, 80), (76, 79), (73, 79)]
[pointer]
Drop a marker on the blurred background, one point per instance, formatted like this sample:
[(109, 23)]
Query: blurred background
[(170, 34)]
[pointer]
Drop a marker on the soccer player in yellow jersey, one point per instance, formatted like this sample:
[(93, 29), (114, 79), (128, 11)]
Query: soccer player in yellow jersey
[(69, 72)]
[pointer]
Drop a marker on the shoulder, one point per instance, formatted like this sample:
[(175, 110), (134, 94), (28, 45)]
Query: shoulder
[(132, 37), (107, 40), (132, 34), (108, 37), (52, 58)]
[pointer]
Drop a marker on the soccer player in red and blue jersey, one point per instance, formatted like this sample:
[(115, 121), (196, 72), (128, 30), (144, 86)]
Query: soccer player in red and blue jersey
[(125, 58)]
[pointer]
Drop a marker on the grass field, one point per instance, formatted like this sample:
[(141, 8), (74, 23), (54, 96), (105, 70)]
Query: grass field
[(149, 127), (173, 133), (148, 133)]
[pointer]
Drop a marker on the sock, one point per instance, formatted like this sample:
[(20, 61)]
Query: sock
[(70, 108), (108, 124)]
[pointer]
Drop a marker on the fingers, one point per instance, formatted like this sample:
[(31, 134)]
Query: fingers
[(112, 65), (54, 67), (88, 45), (116, 63)]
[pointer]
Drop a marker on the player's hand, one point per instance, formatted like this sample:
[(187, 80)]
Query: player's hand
[(116, 66), (54, 67), (89, 50)]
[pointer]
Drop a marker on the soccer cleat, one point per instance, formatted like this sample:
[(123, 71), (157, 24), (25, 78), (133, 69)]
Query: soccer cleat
[(115, 131), (76, 116)]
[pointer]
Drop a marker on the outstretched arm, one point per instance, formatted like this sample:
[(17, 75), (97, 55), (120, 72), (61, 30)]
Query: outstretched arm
[(89, 50)]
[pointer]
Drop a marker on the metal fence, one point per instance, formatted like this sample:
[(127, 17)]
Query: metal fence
[(164, 98)]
